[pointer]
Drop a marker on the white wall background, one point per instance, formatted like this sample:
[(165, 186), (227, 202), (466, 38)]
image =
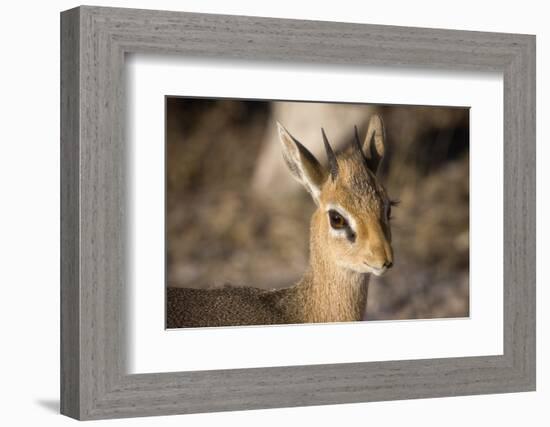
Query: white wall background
[(29, 214)]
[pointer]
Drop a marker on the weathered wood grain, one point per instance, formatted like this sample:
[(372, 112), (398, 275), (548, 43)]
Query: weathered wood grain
[(70, 220)]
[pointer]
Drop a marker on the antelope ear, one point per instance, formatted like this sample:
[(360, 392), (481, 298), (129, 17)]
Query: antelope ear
[(303, 166), (373, 147)]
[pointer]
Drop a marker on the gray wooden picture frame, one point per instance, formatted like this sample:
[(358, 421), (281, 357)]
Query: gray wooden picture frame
[(94, 41)]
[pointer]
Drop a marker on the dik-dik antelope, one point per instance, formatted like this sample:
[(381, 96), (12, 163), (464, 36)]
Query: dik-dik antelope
[(350, 239)]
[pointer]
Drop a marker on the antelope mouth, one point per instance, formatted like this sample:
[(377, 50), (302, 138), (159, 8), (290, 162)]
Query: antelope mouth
[(376, 270)]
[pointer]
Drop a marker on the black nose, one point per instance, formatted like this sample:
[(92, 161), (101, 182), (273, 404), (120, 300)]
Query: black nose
[(388, 264)]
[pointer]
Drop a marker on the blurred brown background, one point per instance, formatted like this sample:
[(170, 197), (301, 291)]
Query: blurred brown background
[(234, 214)]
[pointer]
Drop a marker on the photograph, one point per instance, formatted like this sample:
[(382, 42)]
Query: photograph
[(293, 212), (262, 215)]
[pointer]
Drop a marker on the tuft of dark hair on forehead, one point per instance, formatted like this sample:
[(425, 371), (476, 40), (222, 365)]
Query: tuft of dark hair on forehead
[(361, 182)]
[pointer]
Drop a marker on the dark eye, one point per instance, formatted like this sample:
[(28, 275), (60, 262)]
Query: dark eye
[(388, 209), (337, 221)]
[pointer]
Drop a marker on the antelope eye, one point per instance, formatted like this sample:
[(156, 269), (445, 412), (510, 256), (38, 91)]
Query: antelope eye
[(388, 209), (337, 221)]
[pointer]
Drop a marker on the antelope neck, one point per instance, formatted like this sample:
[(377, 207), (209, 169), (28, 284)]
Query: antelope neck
[(332, 293)]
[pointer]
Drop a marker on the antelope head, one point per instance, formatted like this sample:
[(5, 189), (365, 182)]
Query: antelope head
[(352, 221)]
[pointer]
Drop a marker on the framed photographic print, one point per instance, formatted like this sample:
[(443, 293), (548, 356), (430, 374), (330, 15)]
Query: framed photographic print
[(261, 213)]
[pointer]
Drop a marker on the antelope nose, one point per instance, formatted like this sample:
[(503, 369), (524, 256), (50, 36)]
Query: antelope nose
[(388, 264)]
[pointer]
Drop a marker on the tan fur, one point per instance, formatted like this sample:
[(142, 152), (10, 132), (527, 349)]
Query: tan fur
[(334, 288)]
